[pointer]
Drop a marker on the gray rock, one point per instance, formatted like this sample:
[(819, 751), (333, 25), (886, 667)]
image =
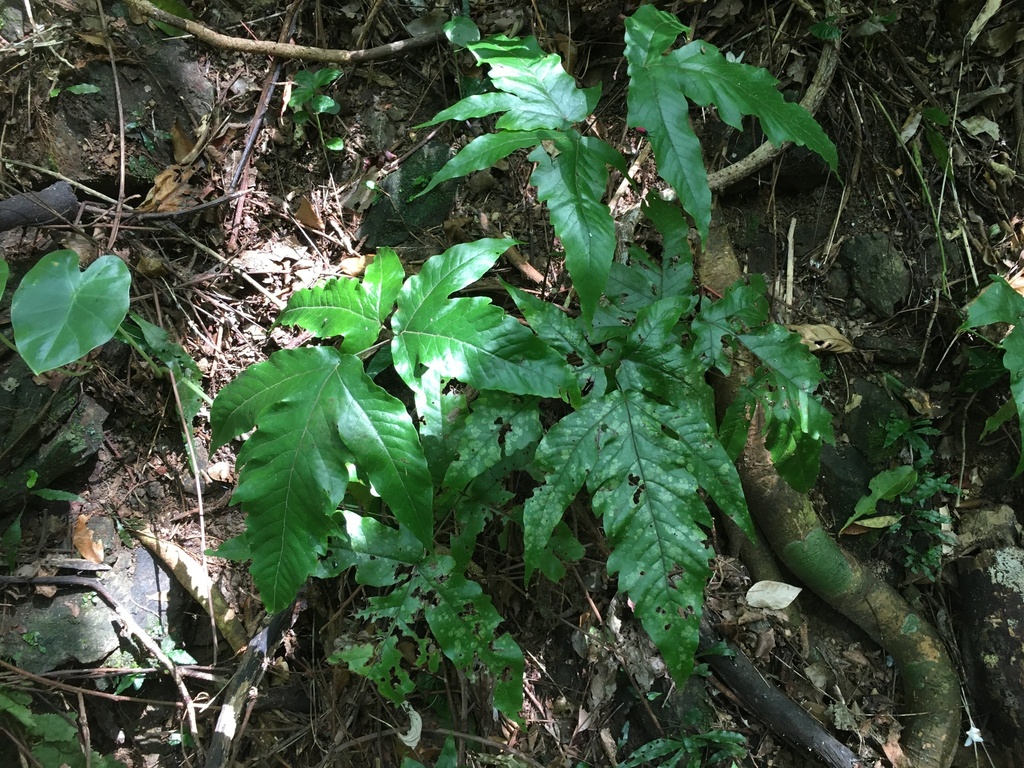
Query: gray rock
[(877, 271), (844, 478), (396, 216), (867, 422)]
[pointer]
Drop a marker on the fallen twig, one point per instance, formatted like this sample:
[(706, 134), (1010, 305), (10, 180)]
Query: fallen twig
[(53, 205), (244, 686), (286, 50), (782, 715)]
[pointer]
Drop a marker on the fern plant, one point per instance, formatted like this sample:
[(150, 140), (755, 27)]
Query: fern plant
[(340, 474)]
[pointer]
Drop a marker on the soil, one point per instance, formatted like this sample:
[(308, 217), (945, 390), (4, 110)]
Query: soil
[(263, 209)]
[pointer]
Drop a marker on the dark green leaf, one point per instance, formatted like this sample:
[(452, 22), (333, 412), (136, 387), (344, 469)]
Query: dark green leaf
[(571, 181), (470, 339), (315, 411)]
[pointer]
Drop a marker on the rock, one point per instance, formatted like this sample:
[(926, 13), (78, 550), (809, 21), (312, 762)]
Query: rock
[(877, 272), (888, 350), (872, 408), (837, 283), (76, 626), (992, 629), (844, 478), (396, 216), (44, 433)]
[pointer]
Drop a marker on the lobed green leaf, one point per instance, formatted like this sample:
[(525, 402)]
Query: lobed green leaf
[(700, 73), (484, 151), (655, 523), (465, 624), (470, 339), (315, 410)]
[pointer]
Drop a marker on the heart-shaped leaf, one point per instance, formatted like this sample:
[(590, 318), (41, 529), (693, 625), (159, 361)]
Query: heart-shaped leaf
[(60, 314)]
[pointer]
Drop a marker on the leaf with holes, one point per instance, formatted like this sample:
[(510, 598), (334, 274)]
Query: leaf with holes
[(648, 501)]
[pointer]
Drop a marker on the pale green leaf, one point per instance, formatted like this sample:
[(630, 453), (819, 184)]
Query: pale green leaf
[(547, 94), (998, 303), (382, 282), (60, 314), (501, 47), (472, 107), (381, 662), (339, 307), (461, 31), (885, 486), (82, 89), (499, 426), (465, 624)]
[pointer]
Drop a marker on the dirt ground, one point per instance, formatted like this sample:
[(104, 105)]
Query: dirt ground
[(241, 209)]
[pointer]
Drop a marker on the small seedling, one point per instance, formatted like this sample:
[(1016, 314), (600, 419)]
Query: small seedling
[(308, 103)]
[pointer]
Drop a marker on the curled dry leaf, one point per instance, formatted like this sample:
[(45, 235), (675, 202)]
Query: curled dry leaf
[(181, 143), (773, 595), (307, 215), (822, 338), (171, 190)]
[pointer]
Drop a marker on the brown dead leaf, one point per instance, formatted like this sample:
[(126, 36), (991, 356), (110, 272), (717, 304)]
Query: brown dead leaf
[(355, 266), (93, 39), (307, 215), (221, 472), (170, 191), (822, 338), (181, 143), (921, 402), (894, 752), (88, 544), (377, 77)]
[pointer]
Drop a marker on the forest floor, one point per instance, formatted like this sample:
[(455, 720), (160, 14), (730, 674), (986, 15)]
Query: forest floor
[(876, 264)]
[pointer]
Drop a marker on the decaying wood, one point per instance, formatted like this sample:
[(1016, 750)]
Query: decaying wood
[(779, 712), (55, 204), (244, 687)]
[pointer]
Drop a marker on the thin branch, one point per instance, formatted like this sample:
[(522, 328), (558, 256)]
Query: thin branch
[(285, 50)]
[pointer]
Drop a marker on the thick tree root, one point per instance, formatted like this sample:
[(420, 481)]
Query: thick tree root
[(931, 687)]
